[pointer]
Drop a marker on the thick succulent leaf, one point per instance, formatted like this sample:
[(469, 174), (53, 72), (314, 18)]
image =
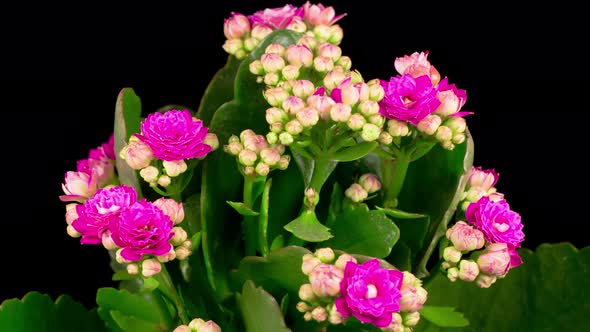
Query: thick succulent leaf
[(443, 316), (260, 311), (219, 91), (307, 227), (354, 152), (548, 292), (37, 312)]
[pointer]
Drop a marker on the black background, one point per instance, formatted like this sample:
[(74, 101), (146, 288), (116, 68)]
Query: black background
[(525, 75)]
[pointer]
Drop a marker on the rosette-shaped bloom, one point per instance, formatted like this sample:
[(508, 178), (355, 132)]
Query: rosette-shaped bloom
[(143, 229), (109, 147), (465, 237), (276, 18), (498, 223), (78, 187), (101, 165), (370, 293), (407, 98), (483, 178), (451, 98), (417, 65), (320, 15), (174, 135), (101, 211)]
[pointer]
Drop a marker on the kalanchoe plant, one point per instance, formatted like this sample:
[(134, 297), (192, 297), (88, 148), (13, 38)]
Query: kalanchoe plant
[(323, 209)]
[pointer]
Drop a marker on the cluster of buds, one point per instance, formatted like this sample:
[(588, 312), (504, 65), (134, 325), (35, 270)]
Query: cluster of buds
[(255, 155), (447, 132), (481, 183), (199, 325), (244, 33), (413, 298), (359, 191)]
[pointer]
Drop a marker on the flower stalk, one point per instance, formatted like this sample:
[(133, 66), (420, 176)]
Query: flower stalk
[(166, 286), (394, 175)]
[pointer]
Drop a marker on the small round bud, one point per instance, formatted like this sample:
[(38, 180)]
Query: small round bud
[(308, 117), (262, 169), (270, 156), (232, 46), (182, 252), (336, 34), (132, 269), (275, 114), (233, 148), (411, 318), (449, 103), (272, 62), (397, 128), (297, 25), (276, 129), (285, 138), (323, 64), (255, 143), (137, 154), (276, 96), (276, 49), (356, 122), (385, 138), (271, 79), (342, 260), (447, 145), (302, 307), (319, 314), (167, 256), (71, 213), (196, 324), (322, 32), (458, 138), (370, 132), (330, 51), (377, 119), (299, 55), (308, 41), (356, 193), (293, 105), (326, 255), (272, 137), (174, 168), (429, 124), (256, 68), (457, 124), (369, 107), (340, 112), (290, 72), (307, 316), (107, 241), (306, 293), (164, 180), (246, 133), (370, 182), (280, 148), (73, 232), (333, 79), (303, 89), (236, 26), (211, 140), (349, 94), (376, 92), (468, 270), (149, 174), (150, 267), (250, 44), (484, 280), (311, 197), (260, 31), (335, 317), (321, 103), (293, 127), (179, 236), (249, 171), (309, 263), (247, 157), (182, 328), (453, 274), (284, 162), (451, 254), (344, 62), (444, 133)]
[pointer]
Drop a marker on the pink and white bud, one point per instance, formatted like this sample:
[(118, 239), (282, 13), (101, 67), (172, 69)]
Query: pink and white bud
[(272, 62), (311, 197), (319, 314), (320, 15), (255, 143), (246, 133), (233, 46), (107, 241), (292, 105), (395, 325), (444, 133), (247, 157), (262, 169), (349, 94), (182, 328), (169, 256), (370, 132), (333, 79), (211, 140), (495, 260), (271, 79), (344, 62), (73, 232), (483, 178), (270, 156), (309, 263), (468, 270), (78, 186), (297, 25), (260, 31), (413, 298), (306, 293), (458, 138), (233, 148), (179, 236), (370, 182), (484, 280), (397, 128), (249, 171), (280, 148), (429, 124), (149, 174), (457, 124), (385, 138), (356, 122), (275, 48), (307, 316), (308, 117), (182, 252), (174, 168), (132, 269), (276, 96), (465, 237), (356, 193), (336, 34), (308, 41), (293, 127), (322, 32), (453, 274), (342, 260), (474, 194), (302, 307), (326, 255), (369, 108), (495, 196), (275, 114), (321, 103), (325, 280), (290, 72), (164, 180), (340, 112), (330, 51), (236, 26), (334, 317), (256, 68), (377, 119), (411, 280), (285, 138), (376, 91), (284, 162), (323, 64), (150, 267), (299, 55), (451, 254), (137, 154), (449, 103), (303, 89), (71, 213), (199, 325)]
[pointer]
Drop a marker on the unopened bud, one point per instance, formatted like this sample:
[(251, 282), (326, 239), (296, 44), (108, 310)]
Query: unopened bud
[(308, 41), (276, 49), (290, 72), (299, 55), (167, 256), (107, 241), (311, 197), (457, 124), (344, 62), (385, 138), (182, 252), (444, 133), (137, 154), (321, 103), (272, 137), (256, 68), (73, 232), (247, 157), (306, 293), (164, 180), (292, 127), (280, 148), (370, 132), (370, 182), (250, 44), (451, 254), (302, 307), (356, 193), (276, 96), (307, 316), (333, 79), (397, 128), (211, 140), (495, 260), (308, 117), (270, 156), (322, 32), (132, 269), (309, 263), (429, 124), (183, 328), (271, 79), (236, 26), (449, 103), (71, 213), (272, 62), (150, 267), (447, 145), (330, 51), (340, 112), (285, 138), (260, 31), (349, 94), (319, 314), (376, 92), (453, 274), (323, 64), (262, 169), (336, 34), (232, 46), (174, 168), (284, 162), (465, 237), (356, 122), (233, 148), (342, 260), (468, 270), (459, 138), (377, 119), (303, 89), (369, 107), (411, 318), (484, 280), (297, 25), (255, 143), (326, 255), (149, 174), (179, 236)]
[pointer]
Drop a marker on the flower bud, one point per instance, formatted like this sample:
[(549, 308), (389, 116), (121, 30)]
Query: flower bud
[(302, 307), (149, 174), (309, 263), (323, 64), (270, 156), (340, 112), (308, 117), (107, 241), (307, 316), (174, 168), (319, 314), (247, 157), (280, 148), (271, 79), (356, 193), (484, 280), (292, 105), (370, 132), (276, 96), (311, 197), (484, 179), (450, 254), (299, 55), (137, 154), (495, 260), (260, 31), (211, 140), (249, 171), (284, 162), (182, 252), (496, 196), (150, 267), (132, 269), (468, 270), (306, 293), (330, 51), (385, 138), (334, 316), (376, 91), (272, 136), (232, 46), (276, 49), (457, 124), (196, 324), (453, 274), (233, 148), (349, 94), (321, 103), (377, 119), (326, 255), (322, 32), (303, 89), (262, 169), (465, 237), (255, 143), (356, 122), (344, 62), (290, 72), (179, 236), (250, 44), (71, 213), (275, 114), (333, 79), (370, 182), (336, 34), (293, 127), (297, 25), (164, 180), (272, 62), (285, 138), (342, 260), (444, 133), (73, 232), (256, 68), (325, 280), (429, 124), (397, 128), (369, 107), (236, 26), (308, 41), (209, 326), (458, 138), (167, 256), (182, 328)]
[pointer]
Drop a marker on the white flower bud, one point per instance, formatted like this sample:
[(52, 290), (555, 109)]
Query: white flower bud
[(260, 31), (132, 269), (458, 138), (182, 328), (182, 252), (319, 314), (233, 148), (232, 46), (73, 232), (411, 318), (385, 138), (370, 132), (453, 274), (356, 122), (290, 72), (284, 162), (484, 280), (164, 180), (444, 133), (272, 62), (457, 124), (377, 119), (370, 182), (302, 307), (336, 34), (297, 25), (326, 255), (323, 64), (71, 213), (270, 156), (429, 124), (211, 140), (397, 128), (369, 107), (271, 79), (272, 137), (149, 174), (308, 41), (107, 241), (308, 117), (451, 254), (340, 112), (293, 127), (342, 260), (150, 267), (247, 157), (356, 193), (306, 293), (246, 133), (262, 169), (276, 96), (468, 270), (256, 68), (285, 138), (344, 62), (174, 168), (250, 44), (333, 79), (376, 92), (179, 236), (303, 89), (275, 48)]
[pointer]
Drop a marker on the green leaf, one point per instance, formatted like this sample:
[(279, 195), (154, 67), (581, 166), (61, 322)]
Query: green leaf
[(413, 232), (354, 152), (263, 219), (123, 275), (335, 204), (127, 121), (219, 90), (192, 214), (149, 284), (399, 214), (401, 256), (363, 231), (307, 227), (260, 311), (130, 323), (443, 316), (548, 292), (37, 312), (280, 270), (242, 208)]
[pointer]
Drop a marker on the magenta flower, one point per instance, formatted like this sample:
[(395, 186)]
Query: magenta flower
[(276, 18), (370, 293), (100, 165), (109, 147), (98, 213), (451, 98), (143, 229), (174, 135), (320, 15), (407, 98), (498, 223)]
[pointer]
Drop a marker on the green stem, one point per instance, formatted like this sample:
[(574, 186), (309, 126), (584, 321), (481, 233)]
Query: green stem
[(319, 176), (158, 297), (394, 175), (167, 287), (249, 223)]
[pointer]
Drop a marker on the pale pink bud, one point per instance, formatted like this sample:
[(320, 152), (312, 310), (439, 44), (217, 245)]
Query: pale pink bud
[(449, 103), (397, 128), (150, 267), (297, 25), (459, 138), (376, 92), (370, 132), (417, 65), (149, 174), (236, 26), (107, 241), (132, 269), (209, 326), (290, 72), (256, 68), (275, 129), (356, 122), (335, 317), (174, 168), (255, 143), (262, 169), (411, 280), (349, 94), (280, 148), (475, 193), (250, 44), (344, 62), (319, 314), (302, 307), (450, 254), (336, 35), (292, 127), (309, 262), (182, 252), (395, 325), (413, 298), (321, 103), (284, 162), (340, 112), (495, 260), (306, 292), (179, 236), (303, 89), (356, 193), (325, 280), (444, 133), (330, 51), (429, 124), (468, 270), (311, 197), (385, 138), (495, 196), (307, 316), (167, 256), (211, 140), (465, 237), (247, 157), (285, 138), (233, 148), (322, 32), (292, 105), (308, 41), (78, 186), (483, 178), (71, 213), (333, 79), (182, 328), (249, 171), (457, 124), (271, 79), (270, 156), (369, 107), (411, 318), (272, 62), (233, 46), (377, 119), (323, 64), (326, 255), (164, 180), (72, 232), (196, 324), (137, 154), (484, 280), (299, 55), (370, 182), (447, 145), (276, 96), (308, 117), (453, 274), (342, 260), (260, 31), (276, 48)]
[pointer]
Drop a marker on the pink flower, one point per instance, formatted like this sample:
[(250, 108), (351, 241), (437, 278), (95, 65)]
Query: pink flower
[(325, 280), (276, 18), (171, 208), (417, 65), (320, 15), (407, 98), (483, 178), (143, 229), (370, 293), (495, 260), (451, 98), (174, 135), (101, 165), (498, 223), (236, 26), (465, 237), (350, 93), (109, 147), (78, 187), (98, 213)]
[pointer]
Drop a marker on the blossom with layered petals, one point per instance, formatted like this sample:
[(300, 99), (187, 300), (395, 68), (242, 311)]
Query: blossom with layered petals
[(320, 15), (498, 223), (451, 98), (78, 187), (407, 98), (416, 65), (276, 18)]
